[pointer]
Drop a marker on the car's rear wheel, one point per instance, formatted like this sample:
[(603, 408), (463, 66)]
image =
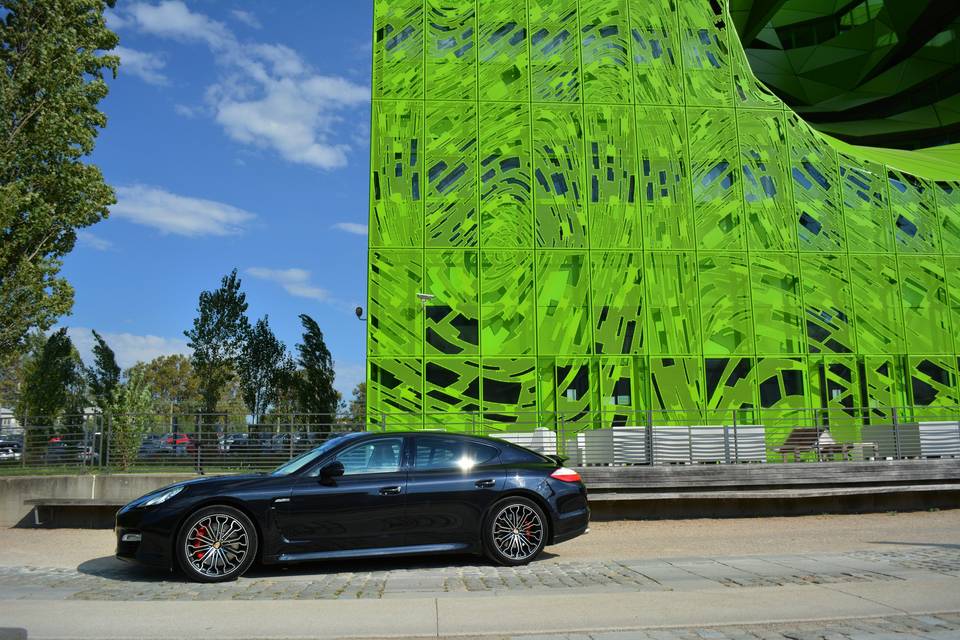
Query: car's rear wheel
[(515, 532), (216, 544)]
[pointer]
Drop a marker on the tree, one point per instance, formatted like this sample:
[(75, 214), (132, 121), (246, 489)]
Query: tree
[(51, 82), (259, 369), (219, 332), (53, 382), (12, 375), (129, 418), (104, 377), (317, 395), (357, 411), (172, 382)]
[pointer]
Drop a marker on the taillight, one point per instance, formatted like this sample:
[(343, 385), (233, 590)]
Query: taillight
[(565, 475)]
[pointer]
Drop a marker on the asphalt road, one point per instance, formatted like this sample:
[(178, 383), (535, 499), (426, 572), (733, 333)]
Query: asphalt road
[(864, 577)]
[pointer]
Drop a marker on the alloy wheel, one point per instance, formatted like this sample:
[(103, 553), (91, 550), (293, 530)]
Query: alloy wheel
[(517, 531), (216, 545)]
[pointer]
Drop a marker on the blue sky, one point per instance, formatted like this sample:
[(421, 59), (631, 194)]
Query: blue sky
[(237, 137)]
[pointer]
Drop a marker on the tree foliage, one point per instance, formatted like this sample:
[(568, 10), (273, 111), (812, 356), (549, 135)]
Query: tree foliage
[(357, 410), (53, 382), (260, 369), (52, 78), (317, 395), (129, 418), (172, 382), (219, 333), (103, 377)]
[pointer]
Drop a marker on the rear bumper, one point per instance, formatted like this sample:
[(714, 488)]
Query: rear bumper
[(572, 524)]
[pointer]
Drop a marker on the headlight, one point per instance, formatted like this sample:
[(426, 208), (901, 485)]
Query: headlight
[(160, 498)]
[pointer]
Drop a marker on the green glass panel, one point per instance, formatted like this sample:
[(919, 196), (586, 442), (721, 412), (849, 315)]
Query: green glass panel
[(778, 317), (398, 49), (664, 178), (451, 166), (451, 56), (948, 207), (558, 177), (767, 206), (747, 90), (717, 201), (576, 391), (621, 399), (605, 48), (507, 303), (725, 304), (914, 208), (933, 381), (816, 193), (952, 271), (396, 214), (613, 207), (866, 210), (835, 389), (451, 385), (510, 391), (926, 313), (563, 311), (451, 318), (828, 303), (784, 394), (395, 314), (672, 305), (554, 51), (884, 385), (706, 54), (730, 384), (503, 54), (676, 389), (506, 202), (657, 77), (617, 299), (394, 394), (877, 304)]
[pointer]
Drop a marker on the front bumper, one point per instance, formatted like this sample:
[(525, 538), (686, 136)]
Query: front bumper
[(154, 547)]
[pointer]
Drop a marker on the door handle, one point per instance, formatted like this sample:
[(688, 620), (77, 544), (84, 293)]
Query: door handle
[(391, 491), (485, 484)]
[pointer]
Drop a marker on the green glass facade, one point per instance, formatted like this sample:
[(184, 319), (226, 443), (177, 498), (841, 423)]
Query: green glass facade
[(613, 215)]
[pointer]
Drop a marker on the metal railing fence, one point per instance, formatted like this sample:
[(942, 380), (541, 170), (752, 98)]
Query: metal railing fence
[(617, 436)]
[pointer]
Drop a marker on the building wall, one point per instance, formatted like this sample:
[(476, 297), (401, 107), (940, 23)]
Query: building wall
[(614, 216)]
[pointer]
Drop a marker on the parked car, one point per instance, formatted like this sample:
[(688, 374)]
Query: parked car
[(150, 447), (10, 451), (361, 495), (178, 444)]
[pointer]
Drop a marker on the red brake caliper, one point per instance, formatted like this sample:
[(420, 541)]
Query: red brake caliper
[(201, 531)]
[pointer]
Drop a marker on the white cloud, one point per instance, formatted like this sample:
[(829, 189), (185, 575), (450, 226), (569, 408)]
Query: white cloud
[(247, 18), (128, 347), (92, 241), (296, 282), (267, 96), (186, 111), (181, 215), (146, 66), (352, 227)]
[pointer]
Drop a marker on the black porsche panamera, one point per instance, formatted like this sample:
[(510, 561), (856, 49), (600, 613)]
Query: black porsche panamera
[(361, 495)]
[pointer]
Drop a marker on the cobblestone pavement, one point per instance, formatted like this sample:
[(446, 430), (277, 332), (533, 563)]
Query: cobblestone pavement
[(944, 626), (107, 579)]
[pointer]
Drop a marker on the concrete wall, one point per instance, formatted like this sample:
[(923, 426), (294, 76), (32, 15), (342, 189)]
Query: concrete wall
[(121, 487)]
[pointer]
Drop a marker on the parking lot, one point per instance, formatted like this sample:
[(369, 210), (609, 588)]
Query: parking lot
[(879, 573)]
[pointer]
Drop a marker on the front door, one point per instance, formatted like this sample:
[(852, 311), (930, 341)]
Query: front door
[(453, 481), (365, 508)]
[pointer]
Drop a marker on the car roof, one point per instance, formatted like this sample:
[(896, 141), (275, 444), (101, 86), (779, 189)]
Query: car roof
[(442, 434)]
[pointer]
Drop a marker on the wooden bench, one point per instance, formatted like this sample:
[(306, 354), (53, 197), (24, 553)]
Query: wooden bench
[(810, 439), (70, 503)]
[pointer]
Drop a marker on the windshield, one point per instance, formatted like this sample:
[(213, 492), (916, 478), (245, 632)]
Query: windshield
[(309, 457)]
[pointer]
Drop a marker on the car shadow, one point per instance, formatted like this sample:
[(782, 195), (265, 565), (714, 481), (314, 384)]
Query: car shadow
[(917, 544), (110, 568)]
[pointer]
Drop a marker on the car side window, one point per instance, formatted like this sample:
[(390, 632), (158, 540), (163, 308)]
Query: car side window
[(381, 455), (433, 453)]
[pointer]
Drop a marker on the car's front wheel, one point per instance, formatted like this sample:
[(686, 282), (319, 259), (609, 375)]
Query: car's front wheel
[(515, 532), (216, 544)]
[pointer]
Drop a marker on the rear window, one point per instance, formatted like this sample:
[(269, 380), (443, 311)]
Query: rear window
[(511, 453), (434, 452)]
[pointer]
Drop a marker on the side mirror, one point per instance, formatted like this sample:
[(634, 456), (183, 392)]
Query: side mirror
[(333, 470)]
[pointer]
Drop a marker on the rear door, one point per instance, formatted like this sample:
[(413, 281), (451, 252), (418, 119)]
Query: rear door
[(451, 484)]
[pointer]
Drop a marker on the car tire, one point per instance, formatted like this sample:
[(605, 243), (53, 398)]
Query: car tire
[(515, 531), (216, 544)]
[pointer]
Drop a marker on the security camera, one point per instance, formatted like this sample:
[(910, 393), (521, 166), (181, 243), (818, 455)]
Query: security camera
[(425, 297), (359, 312)]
